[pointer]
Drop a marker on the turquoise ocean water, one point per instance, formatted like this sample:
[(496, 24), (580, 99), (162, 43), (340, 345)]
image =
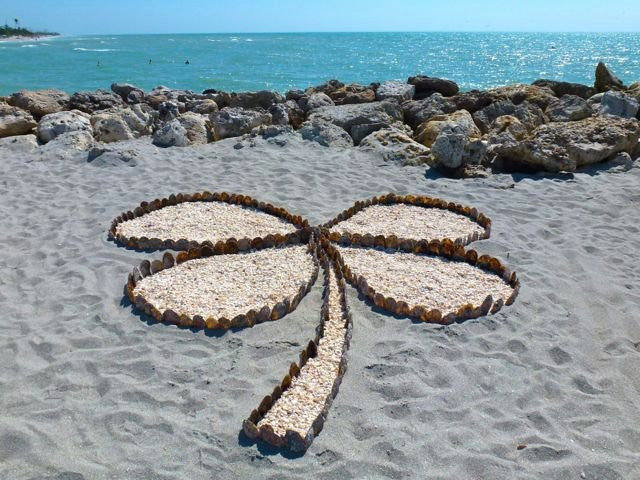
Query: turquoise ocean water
[(238, 62)]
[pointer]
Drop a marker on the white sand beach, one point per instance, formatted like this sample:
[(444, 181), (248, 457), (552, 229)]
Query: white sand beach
[(549, 387)]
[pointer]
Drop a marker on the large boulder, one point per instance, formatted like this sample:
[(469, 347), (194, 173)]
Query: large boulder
[(471, 101), (565, 146), (427, 132), (420, 111), (426, 86), (566, 88), (40, 102), (568, 108), (90, 102), (168, 110), (529, 114), (353, 93), (188, 129), (123, 124), (56, 124), (296, 114), (129, 93), (519, 93), (71, 140), (325, 133), (203, 106), (316, 100), (233, 122), (19, 144), (262, 99), (606, 80), (395, 145), (394, 90), (279, 114), (360, 119), (15, 121), (614, 103)]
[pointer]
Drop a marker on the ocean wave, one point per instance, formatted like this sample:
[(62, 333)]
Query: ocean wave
[(96, 49), (29, 45)]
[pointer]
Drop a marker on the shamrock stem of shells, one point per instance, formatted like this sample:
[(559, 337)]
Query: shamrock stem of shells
[(246, 262)]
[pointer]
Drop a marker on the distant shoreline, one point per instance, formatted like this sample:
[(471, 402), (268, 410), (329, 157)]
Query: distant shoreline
[(24, 38)]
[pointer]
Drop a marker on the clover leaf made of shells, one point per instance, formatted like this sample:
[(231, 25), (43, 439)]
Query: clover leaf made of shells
[(243, 262)]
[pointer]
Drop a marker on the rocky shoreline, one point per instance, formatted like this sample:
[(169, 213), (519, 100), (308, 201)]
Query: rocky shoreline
[(546, 126)]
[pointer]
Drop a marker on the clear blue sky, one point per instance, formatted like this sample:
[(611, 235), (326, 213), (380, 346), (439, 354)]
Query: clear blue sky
[(210, 16)]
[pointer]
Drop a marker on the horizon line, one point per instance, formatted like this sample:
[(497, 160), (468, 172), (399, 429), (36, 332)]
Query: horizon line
[(356, 31)]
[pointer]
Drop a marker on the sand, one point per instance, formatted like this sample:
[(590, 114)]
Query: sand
[(90, 390)]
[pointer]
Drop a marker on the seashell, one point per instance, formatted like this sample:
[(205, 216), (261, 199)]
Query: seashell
[(244, 244), (458, 253), (239, 321), (286, 382), (132, 242), (434, 316), (207, 251), (312, 350), (512, 297), (411, 199), (497, 305), (513, 280), (367, 240), (379, 299), (145, 268), (182, 257), (269, 241), (250, 430), (471, 256), (419, 312), (495, 265), (140, 303), (252, 315), (172, 199), (279, 311), (484, 261), (182, 244), (224, 197), (465, 311), (263, 315), (257, 243), (379, 241), (196, 197), (169, 316), (485, 308), (265, 405), (390, 304), (224, 323), (392, 241), (211, 323), (138, 212), (277, 392), (137, 275), (232, 246), (154, 312), (303, 358), (449, 318), (334, 236), (220, 248), (167, 260), (143, 243), (168, 244), (434, 247), (447, 248), (156, 204), (294, 370), (280, 239), (198, 321), (402, 308), (185, 320), (155, 243), (164, 202), (129, 215), (156, 266), (268, 435)]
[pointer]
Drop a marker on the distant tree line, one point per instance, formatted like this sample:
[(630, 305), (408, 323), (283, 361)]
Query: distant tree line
[(17, 30)]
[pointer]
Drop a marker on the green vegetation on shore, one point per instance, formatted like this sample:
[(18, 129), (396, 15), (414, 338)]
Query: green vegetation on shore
[(18, 31)]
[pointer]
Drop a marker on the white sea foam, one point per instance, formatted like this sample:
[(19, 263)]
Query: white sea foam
[(96, 49), (29, 45)]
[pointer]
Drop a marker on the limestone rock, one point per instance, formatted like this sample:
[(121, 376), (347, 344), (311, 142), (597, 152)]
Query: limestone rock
[(15, 121), (90, 102), (471, 101), (520, 93), (565, 146), (325, 133), (420, 111), (203, 106), (427, 132), (55, 124), (188, 129), (317, 100), (19, 143), (615, 103), (279, 114), (168, 110), (530, 115), (123, 124), (129, 93), (295, 113), (566, 88), (394, 90), (233, 122), (396, 146), (353, 93), (568, 108), (262, 99), (360, 119), (426, 86), (70, 140), (606, 80), (40, 102)]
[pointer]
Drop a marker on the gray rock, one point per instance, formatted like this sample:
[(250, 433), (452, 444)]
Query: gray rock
[(295, 113), (71, 140), (606, 80), (107, 157), (394, 90), (203, 106), (420, 111), (396, 146), (123, 124), (188, 129), (55, 124), (129, 93), (167, 111), (426, 86), (566, 88), (90, 102), (568, 108), (360, 119), (15, 121), (262, 99), (616, 103), (427, 132), (317, 100), (342, 94), (565, 146), (40, 102), (530, 115), (325, 133), (279, 114), (233, 122), (453, 149), (471, 101), (622, 162), (520, 93), (19, 144)]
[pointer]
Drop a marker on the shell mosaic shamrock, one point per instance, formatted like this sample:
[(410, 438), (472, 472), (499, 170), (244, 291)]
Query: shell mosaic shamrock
[(243, 262)]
